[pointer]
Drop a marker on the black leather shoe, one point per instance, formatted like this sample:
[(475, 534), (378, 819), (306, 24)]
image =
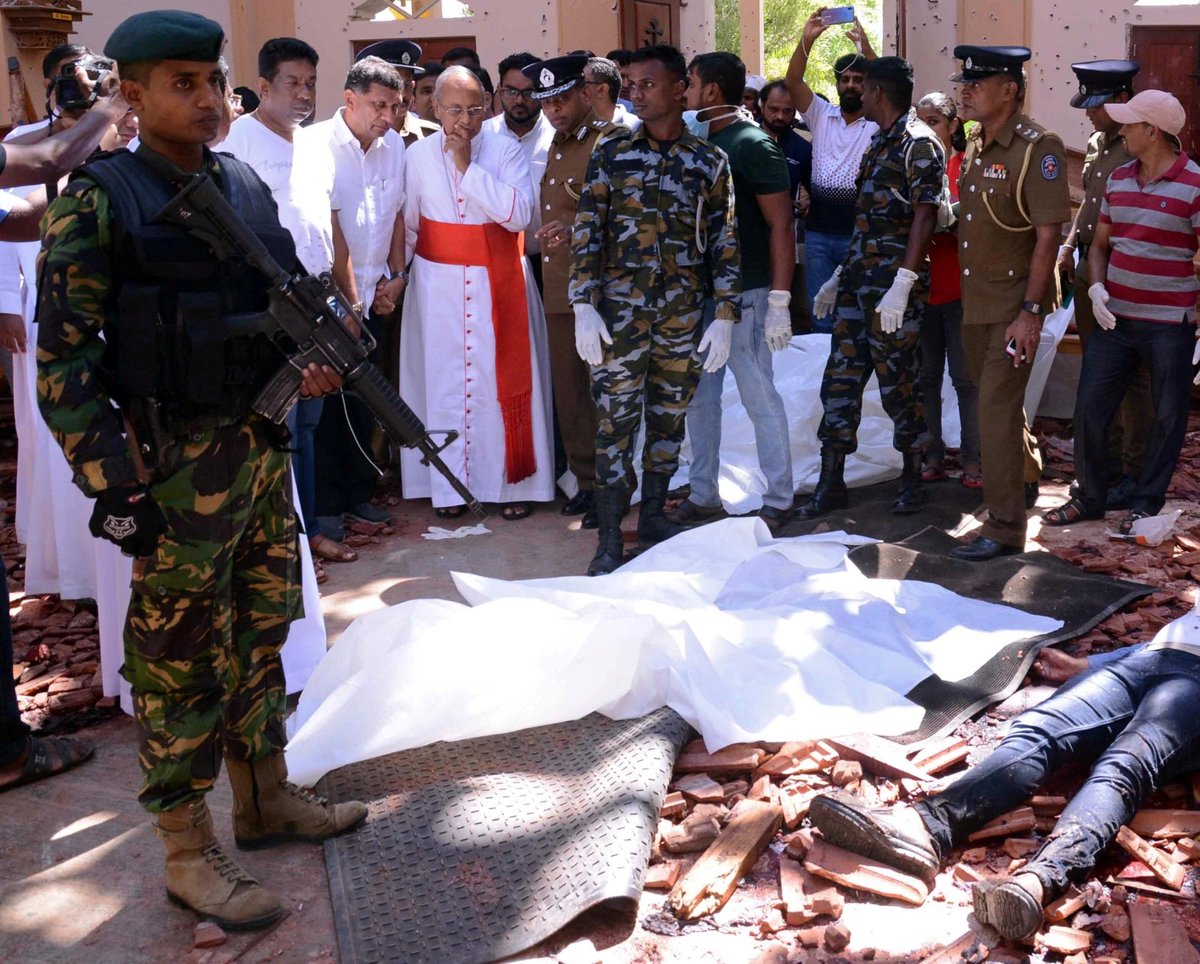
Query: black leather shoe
[(591, 519), (845, 821), (983, 549), (579, 503), (1031, 494)]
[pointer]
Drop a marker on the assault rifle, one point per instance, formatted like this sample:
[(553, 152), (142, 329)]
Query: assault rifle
[(307, 320)]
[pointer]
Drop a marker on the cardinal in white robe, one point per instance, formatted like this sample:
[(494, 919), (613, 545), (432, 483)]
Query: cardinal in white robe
[(473, 350)]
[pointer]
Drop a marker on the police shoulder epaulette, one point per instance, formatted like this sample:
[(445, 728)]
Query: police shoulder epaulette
[(1030, 131)]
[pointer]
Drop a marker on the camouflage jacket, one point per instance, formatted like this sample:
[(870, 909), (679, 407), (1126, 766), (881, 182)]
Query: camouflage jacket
[(658, 226), (903, 167)]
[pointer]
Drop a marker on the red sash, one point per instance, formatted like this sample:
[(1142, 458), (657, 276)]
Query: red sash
[(501, 252)]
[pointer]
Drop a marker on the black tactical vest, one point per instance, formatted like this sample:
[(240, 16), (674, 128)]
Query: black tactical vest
[(183, 327)]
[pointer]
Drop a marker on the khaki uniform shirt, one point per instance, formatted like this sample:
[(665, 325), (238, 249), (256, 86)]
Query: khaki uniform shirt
[(414, 129), (566, 167), (1104, 155), (1006, 190)]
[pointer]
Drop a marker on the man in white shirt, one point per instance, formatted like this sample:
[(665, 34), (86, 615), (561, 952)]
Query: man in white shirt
[(474, 356), (522, 120), (405, 56), (300, 181), (840, 135), (369, 254), (603, 83)]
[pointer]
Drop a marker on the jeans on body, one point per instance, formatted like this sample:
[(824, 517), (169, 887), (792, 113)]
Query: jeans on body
[(941, 343), (822, 254)]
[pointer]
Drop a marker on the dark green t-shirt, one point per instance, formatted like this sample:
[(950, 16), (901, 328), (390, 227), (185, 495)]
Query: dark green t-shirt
[(758, 167)]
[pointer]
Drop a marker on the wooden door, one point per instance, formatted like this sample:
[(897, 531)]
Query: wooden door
[(1170, 59), (646, 22)]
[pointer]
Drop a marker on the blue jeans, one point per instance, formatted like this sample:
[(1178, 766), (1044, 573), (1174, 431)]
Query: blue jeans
[(302, 420), (822, 254), (750, 361), (941, 343), (1134, 719), (1110, 363)]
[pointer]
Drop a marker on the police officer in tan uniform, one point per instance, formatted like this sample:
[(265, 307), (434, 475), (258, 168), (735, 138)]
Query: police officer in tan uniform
[(1104, 82), (405, 56), (559, 87), (1013, 202)]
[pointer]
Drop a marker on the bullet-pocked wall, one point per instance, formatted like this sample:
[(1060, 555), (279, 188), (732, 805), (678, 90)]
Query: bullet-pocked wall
[(1059, 32)]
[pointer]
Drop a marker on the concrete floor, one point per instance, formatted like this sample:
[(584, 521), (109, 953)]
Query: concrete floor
[(80, 869)]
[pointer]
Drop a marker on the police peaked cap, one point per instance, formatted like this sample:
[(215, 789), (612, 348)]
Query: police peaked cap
[(556, 75), (1101, 80), (979, 63), (165, 35), (399, 53)]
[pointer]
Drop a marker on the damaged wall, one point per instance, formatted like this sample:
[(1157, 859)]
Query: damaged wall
[(1059, 32)]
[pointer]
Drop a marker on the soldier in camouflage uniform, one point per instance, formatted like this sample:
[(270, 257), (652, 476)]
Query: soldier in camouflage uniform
[(199, 491), (655, 232), (879, 288)]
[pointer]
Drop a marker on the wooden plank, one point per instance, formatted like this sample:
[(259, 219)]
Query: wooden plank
[(1166, 823), (1141, 888), (736, 758), (712, 880), (662, 876), (1065, 906), (941, 755), (1165, 869), (791, 892), (1006, 825), (851, 870), (1158, 935), (879, 756)]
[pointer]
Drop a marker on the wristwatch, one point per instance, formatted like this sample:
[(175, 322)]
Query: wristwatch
[(1032, 307), (402, 275)]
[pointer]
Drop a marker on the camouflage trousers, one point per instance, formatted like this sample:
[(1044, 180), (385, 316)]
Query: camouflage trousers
[(859, 347), (651, 368), (210, 611)]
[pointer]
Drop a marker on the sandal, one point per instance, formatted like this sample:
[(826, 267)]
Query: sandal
[(972, 477), (1073, 510), (46, 757), (515, 510), (319, 572), (323, 547), (451, 512), (1126, 526), (933, 472)]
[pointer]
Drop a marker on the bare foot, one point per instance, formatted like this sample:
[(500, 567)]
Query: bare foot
[(1055, 666)]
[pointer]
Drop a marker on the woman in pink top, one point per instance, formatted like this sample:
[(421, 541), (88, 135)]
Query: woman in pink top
[(941, 324)]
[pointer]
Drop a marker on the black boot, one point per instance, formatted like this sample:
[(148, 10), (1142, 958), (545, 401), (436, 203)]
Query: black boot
[(912, 496), (653, 525), (610, 510), (830, 492)]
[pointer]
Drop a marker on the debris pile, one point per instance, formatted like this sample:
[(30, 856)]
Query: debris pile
[(745, 806)]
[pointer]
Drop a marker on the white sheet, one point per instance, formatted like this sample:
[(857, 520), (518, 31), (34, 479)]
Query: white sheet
[(747, 637)]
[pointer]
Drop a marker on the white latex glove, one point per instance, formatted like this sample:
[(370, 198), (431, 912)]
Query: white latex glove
[(827, 297), (894, 302), (778, 324), (1196, 361), (1104, 318), (590, 330), (716, 341)]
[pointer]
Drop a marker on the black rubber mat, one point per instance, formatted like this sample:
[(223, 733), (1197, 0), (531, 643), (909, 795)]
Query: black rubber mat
[(870, 511), (478, 849), (1036, 582)]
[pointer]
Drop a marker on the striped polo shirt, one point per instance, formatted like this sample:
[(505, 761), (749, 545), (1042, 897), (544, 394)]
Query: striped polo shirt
[(1154, 239)]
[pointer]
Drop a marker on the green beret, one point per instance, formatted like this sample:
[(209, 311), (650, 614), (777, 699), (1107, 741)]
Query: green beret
[(165, 35)]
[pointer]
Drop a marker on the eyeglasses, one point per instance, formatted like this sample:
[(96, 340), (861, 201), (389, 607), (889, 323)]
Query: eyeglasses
[(512, 93), (454, 113)]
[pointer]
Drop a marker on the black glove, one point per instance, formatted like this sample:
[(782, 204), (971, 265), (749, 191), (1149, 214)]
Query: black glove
[(129, 517)]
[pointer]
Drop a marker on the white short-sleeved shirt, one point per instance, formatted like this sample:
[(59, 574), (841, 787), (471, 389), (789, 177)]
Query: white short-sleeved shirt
[(368, 195), (300, 182), (837, 152)]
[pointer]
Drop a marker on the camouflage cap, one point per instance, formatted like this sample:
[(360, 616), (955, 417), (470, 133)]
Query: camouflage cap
[(165, 35)]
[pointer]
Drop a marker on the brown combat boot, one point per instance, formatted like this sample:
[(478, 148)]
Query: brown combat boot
[(201, 877), (267, 808)]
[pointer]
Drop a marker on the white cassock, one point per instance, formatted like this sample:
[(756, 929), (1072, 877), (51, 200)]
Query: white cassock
[(447, 341)]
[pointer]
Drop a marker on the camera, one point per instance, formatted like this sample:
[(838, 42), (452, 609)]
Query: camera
[(66, 90)]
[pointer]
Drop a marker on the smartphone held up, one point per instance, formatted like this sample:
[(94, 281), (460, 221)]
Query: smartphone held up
[(831, 16)]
